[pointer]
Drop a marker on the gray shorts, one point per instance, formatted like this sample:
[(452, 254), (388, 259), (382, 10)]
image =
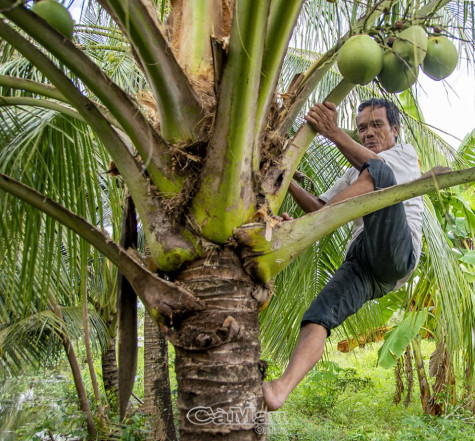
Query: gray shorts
[(380, 256)]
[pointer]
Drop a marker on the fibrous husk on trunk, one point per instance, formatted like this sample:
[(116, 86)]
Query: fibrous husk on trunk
[(217, 353), (409, 375), (441, 368), (157, 394), (110, 374)]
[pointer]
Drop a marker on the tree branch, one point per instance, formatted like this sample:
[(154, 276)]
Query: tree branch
[(269, 248), (277, 180), (162, 298), (36, 102), (226, 196), (282, 18), (32, 86), (179, 109)]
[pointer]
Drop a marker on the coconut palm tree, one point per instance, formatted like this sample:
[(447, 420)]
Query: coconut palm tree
[(205, 152)]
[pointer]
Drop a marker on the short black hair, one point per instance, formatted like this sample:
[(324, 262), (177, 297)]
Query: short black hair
[(392, 111)]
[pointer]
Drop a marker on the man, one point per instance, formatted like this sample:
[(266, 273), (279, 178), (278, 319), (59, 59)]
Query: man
[(385, 245)]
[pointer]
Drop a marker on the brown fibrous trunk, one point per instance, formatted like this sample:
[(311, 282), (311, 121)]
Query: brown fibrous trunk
[(217, 353), (425, 392), (110, 374), (76, 373), (157, 394)]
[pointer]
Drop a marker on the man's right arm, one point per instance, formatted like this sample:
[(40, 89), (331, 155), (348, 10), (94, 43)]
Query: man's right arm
[(323, 118), (305, 200)]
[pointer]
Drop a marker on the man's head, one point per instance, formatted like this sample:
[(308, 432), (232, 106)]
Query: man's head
[(378, 123)]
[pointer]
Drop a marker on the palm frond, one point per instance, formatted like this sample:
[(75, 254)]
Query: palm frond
[(453, 292), (107, 46), (33, 340), (459, 17), (40, 257), (467, 148), (280, 320)]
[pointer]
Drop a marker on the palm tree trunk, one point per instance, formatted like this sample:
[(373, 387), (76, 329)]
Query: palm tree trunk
[(469, 386), (409, 375), (217, 353), (424, 386), (110, 374), (76, 371), (80, 389), (471, 394), (90, 361), (157, 394)]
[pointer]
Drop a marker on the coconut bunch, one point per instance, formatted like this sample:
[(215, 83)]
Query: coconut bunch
[(397, 59)]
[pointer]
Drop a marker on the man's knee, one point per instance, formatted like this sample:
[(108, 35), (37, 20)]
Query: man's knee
[(314, 329), (380, 173), (365, 182), (345, 293)]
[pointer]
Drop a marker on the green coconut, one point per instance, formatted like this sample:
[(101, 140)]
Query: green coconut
[(441, 58), (56, 15), (411, 44), (397, 74), (360, 59)]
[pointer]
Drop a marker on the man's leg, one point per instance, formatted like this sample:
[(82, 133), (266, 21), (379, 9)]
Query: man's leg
[(387, 241), (386, 238), (341, 297), (308, 351)]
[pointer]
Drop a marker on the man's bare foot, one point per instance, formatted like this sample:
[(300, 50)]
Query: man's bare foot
[(274, 396)]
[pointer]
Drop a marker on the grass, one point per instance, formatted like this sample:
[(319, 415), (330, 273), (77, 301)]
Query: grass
[(346, 398), (32, 405), (350, 398)]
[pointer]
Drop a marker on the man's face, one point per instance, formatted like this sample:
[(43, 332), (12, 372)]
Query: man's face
[(374, 130)]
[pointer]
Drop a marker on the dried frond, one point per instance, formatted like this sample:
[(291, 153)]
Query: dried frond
[(148, 106), (409, 375), (399, 383), (204, 88), (438, 363)]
